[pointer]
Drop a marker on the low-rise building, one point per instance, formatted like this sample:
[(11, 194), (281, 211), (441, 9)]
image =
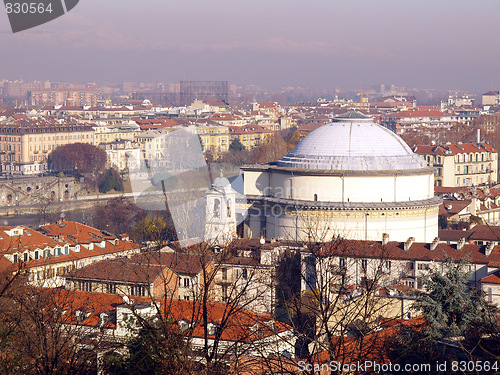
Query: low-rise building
[(158, 275), (400, 121), (46, 255)]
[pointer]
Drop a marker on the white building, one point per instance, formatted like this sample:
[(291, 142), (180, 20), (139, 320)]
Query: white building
[(220, 216), (350, 178)]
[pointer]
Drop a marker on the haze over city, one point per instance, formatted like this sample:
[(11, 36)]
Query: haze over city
[(314, 44)]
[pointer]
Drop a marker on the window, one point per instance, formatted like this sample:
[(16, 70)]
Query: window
[(224, 274), (341, 262), (388, 264), (315, 197), (85, 286), (26, 257), (138, 290), (229, 208), (186, 298), (110, 288), (15, 258), (66, 250), (186, 282), (216, 208), (37, 255), (244, 273), (364, 264)]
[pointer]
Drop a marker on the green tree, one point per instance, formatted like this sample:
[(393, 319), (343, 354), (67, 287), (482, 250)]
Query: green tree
[(150, 229), (158, 348), (452, 310), (110, 180), (236, 145)]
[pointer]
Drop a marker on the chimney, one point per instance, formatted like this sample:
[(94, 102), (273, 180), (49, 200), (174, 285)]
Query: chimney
[(385, 239), (434, 243), (408, 243), (460, 244), (489, 248), (478, 135)]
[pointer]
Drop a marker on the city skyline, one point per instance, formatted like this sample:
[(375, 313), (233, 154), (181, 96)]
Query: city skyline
[(316, 44)]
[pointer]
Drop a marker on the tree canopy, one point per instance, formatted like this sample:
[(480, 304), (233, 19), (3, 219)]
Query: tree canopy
[(77, 158), (452, 311)]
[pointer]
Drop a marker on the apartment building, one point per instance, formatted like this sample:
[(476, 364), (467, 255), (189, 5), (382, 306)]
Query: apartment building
[(106, 132), (76, 96), (461, 164), (30, 141), (250, 136)]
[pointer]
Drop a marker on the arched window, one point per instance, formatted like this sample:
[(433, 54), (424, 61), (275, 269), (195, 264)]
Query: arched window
[(315, 197), (217, 208), (229, 208)]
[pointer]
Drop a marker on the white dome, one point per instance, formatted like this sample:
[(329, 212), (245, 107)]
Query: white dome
[(352, 142)]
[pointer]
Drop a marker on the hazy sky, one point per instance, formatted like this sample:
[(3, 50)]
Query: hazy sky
[(272, 43)]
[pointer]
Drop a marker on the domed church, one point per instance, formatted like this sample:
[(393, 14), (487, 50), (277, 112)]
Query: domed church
[(350, 178)]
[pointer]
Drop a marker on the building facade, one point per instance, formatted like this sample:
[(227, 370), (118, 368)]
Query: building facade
[(461, 164)]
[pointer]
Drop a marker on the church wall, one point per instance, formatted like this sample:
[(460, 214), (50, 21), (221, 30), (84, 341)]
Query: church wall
[(421, 224), (256, 182), (347, 188)]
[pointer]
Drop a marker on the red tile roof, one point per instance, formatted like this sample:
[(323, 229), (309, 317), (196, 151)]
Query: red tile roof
[(29, 240), (248, 129), (74, 232), (419, 113), (454, 148), (493, 278), (418, 251), (235, 325), (58, 235)]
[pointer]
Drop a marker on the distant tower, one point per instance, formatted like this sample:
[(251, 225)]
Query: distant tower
[(220, 218)]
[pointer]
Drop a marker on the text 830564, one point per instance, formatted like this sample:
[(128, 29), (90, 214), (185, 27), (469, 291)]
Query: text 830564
[(25, 8)]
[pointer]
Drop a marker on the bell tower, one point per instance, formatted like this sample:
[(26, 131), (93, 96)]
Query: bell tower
[(220, 216)]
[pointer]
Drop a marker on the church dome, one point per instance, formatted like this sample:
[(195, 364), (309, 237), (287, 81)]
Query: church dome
[(352, 142)]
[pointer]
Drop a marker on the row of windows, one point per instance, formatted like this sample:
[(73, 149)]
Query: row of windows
[(467, 169), (10, 139), (473, 157), (49, 273), (38, 254), (364, 264), (243, 273), (57, 137)]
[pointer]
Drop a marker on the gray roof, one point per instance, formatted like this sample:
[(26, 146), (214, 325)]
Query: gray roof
[(352, 142)]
